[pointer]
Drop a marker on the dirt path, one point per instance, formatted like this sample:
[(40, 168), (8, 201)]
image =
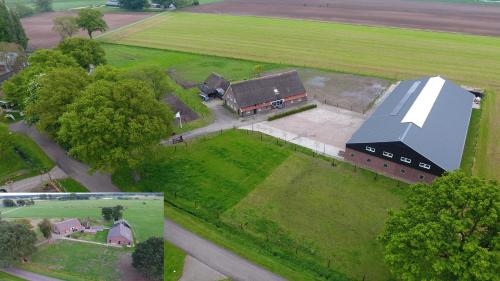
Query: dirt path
[(27, 185), (194, 270), (464, 18)]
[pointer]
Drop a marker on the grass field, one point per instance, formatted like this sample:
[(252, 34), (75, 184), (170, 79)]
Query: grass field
[(29, 160), (73, 261), (146, 219), (469, 154), (224, 178), (399, 53), (7, 277), (174, 262), (99, 237), (60, 5), (71, 185)]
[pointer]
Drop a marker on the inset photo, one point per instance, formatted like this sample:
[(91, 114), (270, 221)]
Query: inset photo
[(81, 236)]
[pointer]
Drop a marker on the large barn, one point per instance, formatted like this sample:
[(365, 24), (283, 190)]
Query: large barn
[(265, 93), (67, 227), (417, 133)]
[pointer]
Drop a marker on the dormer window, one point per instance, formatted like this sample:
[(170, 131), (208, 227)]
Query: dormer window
[(370, 149), (406, 160), (387, 154), (425, 166)]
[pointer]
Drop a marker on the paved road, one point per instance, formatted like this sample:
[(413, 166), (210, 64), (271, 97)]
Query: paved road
[(216, 257), (97, 182), (27, 185), (29, 275)]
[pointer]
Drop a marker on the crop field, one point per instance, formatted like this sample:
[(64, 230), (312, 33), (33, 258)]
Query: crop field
[(73, 261), (29, 160), (146, 219), (329, 203), (400, 54)]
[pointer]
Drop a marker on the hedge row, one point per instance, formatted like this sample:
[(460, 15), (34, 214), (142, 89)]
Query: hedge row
[(290, 112)]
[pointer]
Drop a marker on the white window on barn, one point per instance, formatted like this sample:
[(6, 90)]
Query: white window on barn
[(425, 166), (278, 103), (369, 148), (387, 154), (406, 160)]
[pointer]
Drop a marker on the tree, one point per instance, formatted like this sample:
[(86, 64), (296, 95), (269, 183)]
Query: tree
[(107, 213), (43, 5), (45, 228), (447, 231), (66, 26), (20, 88), (86, 52), (21, 202), (9, 203), (155, 77), (17, 242), (23, 10), (18, 30), (91, 20), (108, 73), (133, 4), (11, 29), (56, 91), (114, 125), (117, 212), (148, 258)]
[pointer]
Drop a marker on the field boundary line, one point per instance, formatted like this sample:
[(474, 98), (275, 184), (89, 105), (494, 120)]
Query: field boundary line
[(10, 211), (129, 25)]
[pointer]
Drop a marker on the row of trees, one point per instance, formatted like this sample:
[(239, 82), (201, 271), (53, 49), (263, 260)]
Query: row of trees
[(109, 119), (90, 20), (11, 29)]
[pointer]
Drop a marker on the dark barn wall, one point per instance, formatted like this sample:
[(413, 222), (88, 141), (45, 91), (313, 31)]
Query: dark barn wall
[(398, 149)]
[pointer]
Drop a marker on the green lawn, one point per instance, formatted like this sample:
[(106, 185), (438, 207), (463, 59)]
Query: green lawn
[(470, 148), (7, 277), (71, 185), (100, 236), (73, 261), (174, 262), (393, 53), (146, 219), (26, 160), (60, 5)]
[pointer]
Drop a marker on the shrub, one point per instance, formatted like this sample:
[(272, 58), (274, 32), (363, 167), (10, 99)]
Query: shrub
[(23, 10), (290, 112)]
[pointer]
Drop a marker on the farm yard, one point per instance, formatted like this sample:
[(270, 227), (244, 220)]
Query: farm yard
[(456, 16), (338, 47)]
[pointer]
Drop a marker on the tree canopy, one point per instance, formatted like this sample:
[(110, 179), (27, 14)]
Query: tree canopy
[(113, 125), (447, 231), (91, 20), (45, 228), (86, 52), (11, 29), (43, 5), (148, 258), (133, 4), (155, 77), (66, 26), (17, 241)]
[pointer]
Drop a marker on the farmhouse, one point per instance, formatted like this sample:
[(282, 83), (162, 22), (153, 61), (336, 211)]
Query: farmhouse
[(265, 93), (417, 133), (214, 85), (67, 227), (120, 234)]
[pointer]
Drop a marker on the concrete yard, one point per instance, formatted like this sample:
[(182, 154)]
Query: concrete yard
[(325, 129)]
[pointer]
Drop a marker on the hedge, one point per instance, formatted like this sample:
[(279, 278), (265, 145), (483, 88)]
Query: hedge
[(290, 112)]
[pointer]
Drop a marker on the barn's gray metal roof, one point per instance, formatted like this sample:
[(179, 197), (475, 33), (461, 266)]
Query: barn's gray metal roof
[(120, 230), (67, 224), (442, 136)]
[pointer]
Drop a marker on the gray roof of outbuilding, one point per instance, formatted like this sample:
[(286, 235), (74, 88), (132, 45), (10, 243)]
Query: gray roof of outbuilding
[(67, 224), (442, 137), (122, 230), (261, 90)]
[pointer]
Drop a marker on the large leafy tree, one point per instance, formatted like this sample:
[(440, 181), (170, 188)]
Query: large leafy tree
[(91, 20), (447, 231), (85, 51), (20, 88), (108, 73), (114, 125), (56, 91), (45, 228), (18, 30), (148, 258), (133, 4), (66, 26), (155, 77), (11, 29), (43, 5), (17, 241)]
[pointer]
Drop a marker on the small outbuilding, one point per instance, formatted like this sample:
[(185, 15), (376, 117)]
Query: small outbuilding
[(265, 93), (121, 234), (67, 227), (214, 86)]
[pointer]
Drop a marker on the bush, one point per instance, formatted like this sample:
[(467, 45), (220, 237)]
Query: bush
[(23, 10), (196, 3), (290, 112)]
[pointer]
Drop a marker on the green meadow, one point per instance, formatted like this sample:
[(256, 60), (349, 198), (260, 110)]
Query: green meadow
[(7, 277), (174, 262), (60, 5)]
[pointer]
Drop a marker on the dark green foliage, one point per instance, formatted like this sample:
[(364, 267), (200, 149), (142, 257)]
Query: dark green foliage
[(23, 10), (290, 112), (448, 231), (45, 228), (148, 258), (21, 202), (43, 5), (11, 29), (107, 213), (9, 203), (133, 4), (17, 241), (91, 20), (86, 52), (155, 77), (117, 212), (6, 142)]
